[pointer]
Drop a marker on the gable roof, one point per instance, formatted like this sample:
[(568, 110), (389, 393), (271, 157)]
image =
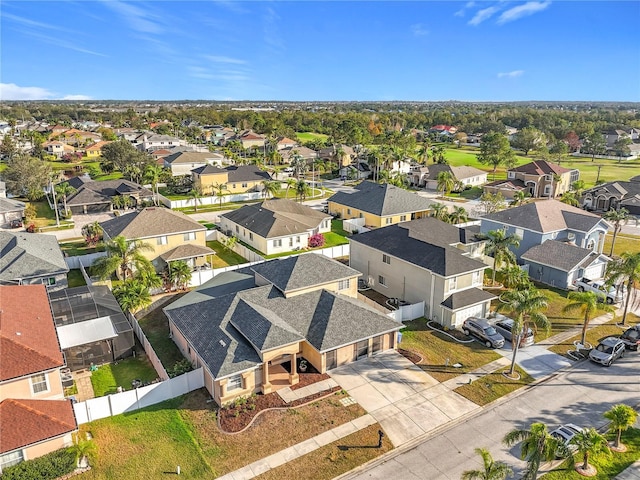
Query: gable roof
[(246, 173), (25, 422), (100, 192), (466, 298), (97, 145), (560, 255), (277, 218), (28, 255), (541, 167), (381, 199), (28, 339), (11, 205), (514, 184), (419, 243), (190, 157), (150, 222), (547, 216), (303, 271), (459, 173)]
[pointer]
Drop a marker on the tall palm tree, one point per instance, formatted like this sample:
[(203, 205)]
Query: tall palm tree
[(587, 304), (132, 295), (153, 173), (384, 176), (302, 190), (498, 243), (618, 218), (570, 198), (621, 417), (491, 470), (123, 257), (515, 277), (458, 215), (219, 189), (538, 446), (626, 269), (117, 201), (520, 198), (270, 188), (555, 179), (195, 194), (291, 182), (589, 443), (64, 190), (439, 211), (399, 179), (180, 274), (446, 182), (526, 306)]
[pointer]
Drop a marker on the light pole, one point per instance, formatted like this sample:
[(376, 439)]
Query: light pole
[(55, 205)]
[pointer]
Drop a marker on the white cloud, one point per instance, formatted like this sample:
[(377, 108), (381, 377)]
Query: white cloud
[(418, 30), (11, 91), (462, 11), (76, 97), (221, 59), (484, 14), (139, 19), (59, 42), (520, 11), (512, 74), (28, 22)]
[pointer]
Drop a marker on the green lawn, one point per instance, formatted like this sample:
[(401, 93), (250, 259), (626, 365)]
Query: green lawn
[(608, 466), (79, 247), (336, 227), (440, 353), (110, 376), (108, 176), (493, 386), (332, 239), (624, 243), (75, 278), (310, 136), (224, 257)]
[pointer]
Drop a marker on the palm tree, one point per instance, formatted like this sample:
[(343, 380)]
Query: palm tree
[(153, 173), (92, 233), (270, 188), (498, 243), (149, 278), (384, 176), (458, 215), (515, 277), (123, 257), (439, 211), (64, 190), (117, 201), (588, 304), (626, 269), (589, 442), (491, 470), (446, 182), (570, 198), (555, 179), (618, 218), (83, 450), (132, 295), (578, 187), (195, 194), (219, 189), (399, 179), (538, 446), (180, 274), (302, 190), (520, 198), (291, 182), (526, 306), (621, 417)]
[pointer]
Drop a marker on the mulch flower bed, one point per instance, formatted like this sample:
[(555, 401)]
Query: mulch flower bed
[(411, 356)]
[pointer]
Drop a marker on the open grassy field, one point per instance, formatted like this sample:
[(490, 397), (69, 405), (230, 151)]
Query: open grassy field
[(310, 136), (624, 243)]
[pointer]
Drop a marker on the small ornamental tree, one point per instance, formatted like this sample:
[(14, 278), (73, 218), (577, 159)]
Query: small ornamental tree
[(316, 240)]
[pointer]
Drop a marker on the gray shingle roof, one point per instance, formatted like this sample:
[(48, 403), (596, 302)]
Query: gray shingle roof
[(150, 222), (26, 255), (561, 256), (459, 173), (185, 251), (101, 192), (246, 173), (466, 298), (10, 205), (189, 157), (277, 218), (303, 271), (382, 199)]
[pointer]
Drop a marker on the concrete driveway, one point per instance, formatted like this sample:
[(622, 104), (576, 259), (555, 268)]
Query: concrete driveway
[(406, 401), (536, 360)]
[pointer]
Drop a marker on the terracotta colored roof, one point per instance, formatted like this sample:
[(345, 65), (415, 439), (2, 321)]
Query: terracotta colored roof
[(98, 145), (286, 140), (25, 422), (541, 167), (160, 153), (28, 339)]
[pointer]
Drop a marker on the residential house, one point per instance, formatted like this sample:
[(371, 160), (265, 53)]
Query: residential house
[(30, 258), (148, 142), (10, 209), (285, 142), (614, 195), (379, 204), (172, 235), (251, 139), (35, 418), (465, 177), (275, 226), (305, 153), (560, 263), (443, 129), (536, 222), (95, 150), (77, 137), (129, 134), (612, 136), (237, 179), (425, 260), (95, 197), (250, 328), (356, 171), (57, 130), (183, 162), (57, 148), (538, 179), (342, 154)]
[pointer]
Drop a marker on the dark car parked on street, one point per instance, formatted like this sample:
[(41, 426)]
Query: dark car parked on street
[(483, 331), (631, 337)]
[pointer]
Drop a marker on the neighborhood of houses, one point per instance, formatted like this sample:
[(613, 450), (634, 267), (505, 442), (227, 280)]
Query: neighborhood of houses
[(251, 329)]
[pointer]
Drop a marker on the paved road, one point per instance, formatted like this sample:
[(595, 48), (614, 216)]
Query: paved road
[(579, 395)]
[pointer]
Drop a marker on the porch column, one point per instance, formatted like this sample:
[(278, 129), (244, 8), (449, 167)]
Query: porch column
[(293, 376), (223, 388), (266, 386), (601, 240)]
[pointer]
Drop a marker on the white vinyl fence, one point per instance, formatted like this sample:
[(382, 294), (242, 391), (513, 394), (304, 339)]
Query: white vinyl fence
[(138, 398), (408, 312), (212, 200), (84, 260), (355, 225), (148, 349)]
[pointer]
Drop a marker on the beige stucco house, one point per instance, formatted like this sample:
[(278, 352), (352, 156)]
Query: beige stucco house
[(251, 328), (35, 418), (425, 260), (236, 179)]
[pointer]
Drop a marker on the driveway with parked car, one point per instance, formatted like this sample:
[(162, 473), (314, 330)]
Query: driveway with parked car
[(481, 329), (608, 351)]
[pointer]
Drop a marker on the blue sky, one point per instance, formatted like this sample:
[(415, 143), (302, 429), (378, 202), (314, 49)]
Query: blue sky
[(312, 50)]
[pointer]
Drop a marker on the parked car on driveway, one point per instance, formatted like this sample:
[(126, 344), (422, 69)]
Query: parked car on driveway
[(607, 351), (604, 292), (483, 331), (564, 435), (505, 326), (631, 337), (16, 223)]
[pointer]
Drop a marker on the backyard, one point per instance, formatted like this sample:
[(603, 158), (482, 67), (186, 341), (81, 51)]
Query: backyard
[(624, 243), (72, 248), (108, 377), (224, 257), (75, 278)]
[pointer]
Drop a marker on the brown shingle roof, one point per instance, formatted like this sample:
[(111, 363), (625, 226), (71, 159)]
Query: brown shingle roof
[(25, 422), (150, 222), (28, 339), (540, 167)]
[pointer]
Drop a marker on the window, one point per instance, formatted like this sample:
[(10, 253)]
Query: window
[(386, 259), (237, 229), (348, 211), (511, 175), (291, 241), (250, 236), (49, 281), (547, 190), (520, 233), (453, 283), (10, 459), (189, 236), (39, 383), (161, 240), (343, 284), (388, 221), (548, 178), (234, 383), (277, 243), (362, 349), (403, 218), (382, 281), (476, 278), (298, 239), (233, 186)]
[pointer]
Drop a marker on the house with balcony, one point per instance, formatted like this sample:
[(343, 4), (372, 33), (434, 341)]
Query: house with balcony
[(251, 328), (35, 419), (380, 205), (236, 179), (172, 235), (276, 225), (425, 260)]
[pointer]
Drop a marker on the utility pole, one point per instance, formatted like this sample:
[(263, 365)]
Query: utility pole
[(55, 205)]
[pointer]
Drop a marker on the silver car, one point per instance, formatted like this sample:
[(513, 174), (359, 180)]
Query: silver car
[(607, 351), (564, 435), (504, 328), (484, 331)]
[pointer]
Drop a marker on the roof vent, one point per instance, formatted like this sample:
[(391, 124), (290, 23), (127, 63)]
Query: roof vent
[(18, 333), (222, 343)]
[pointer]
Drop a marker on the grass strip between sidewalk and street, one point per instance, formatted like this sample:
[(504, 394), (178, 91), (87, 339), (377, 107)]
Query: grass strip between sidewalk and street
[(490, 387)]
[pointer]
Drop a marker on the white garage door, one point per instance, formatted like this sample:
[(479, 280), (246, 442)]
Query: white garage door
[(462, 315), (594, 271)]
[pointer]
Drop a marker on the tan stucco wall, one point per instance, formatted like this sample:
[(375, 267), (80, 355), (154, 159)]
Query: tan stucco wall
[(313, 356), (173, 241), (43, 448), (21, 388), (371, 220)]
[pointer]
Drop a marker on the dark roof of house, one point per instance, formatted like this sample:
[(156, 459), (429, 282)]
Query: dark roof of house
[(150, 222), (28, 339), (619, 189), (303, 271), (277, 218), (10, 205), (79, 181), (559, 255), (27, 255), (91, 192), (246, 173), (546, 216), (466, 298), (182, 252), (420, 245), (208, 170), (513, 184), (382, 199), (541, 167), (25, 422)]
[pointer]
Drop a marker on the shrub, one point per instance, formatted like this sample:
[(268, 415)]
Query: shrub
[(183, 366), (50, 466), (316, 240)]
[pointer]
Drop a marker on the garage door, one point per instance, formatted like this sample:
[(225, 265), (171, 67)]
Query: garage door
[(594, 271), (462, 315)]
